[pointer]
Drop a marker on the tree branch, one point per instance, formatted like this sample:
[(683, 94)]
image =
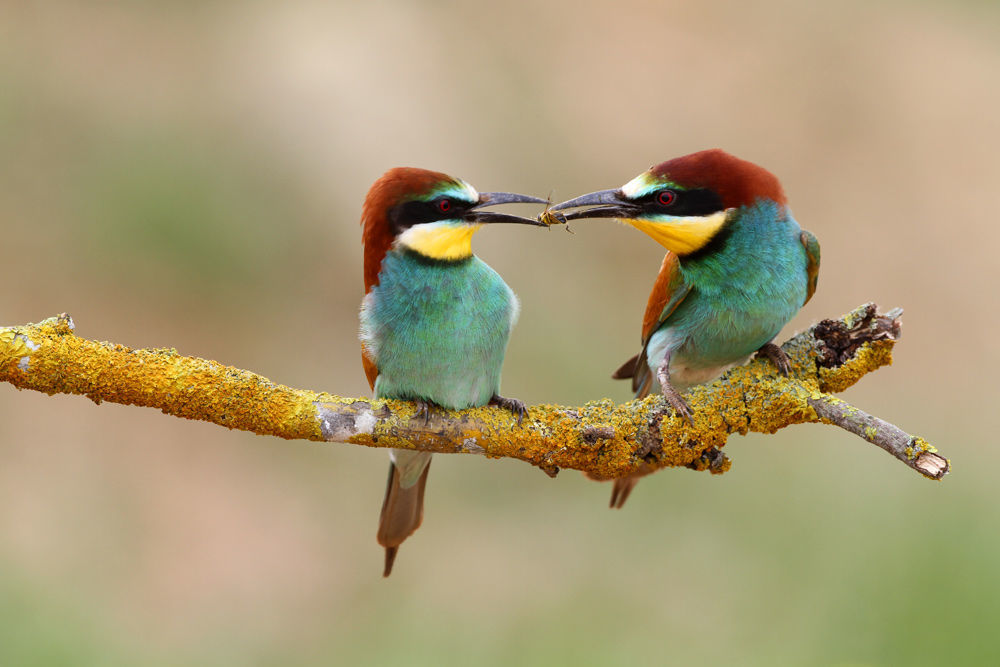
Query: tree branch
[(601, 438)]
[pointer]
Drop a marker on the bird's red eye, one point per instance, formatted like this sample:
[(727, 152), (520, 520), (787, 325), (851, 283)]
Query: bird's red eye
[(666, 197), (444, 205)]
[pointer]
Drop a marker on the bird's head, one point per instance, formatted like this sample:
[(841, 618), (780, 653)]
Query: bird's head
[(683, 203), (432, 213)]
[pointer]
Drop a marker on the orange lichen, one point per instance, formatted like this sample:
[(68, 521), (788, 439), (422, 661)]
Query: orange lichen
[(604, 439), (182, 386)]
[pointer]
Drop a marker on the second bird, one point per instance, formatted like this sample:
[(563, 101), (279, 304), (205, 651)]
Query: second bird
[(435, 319), (738, 268)]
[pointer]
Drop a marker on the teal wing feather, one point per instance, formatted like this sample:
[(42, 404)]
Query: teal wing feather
[(811, 245)]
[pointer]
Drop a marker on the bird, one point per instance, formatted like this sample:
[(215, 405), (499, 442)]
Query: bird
[(737, 268), (435, 319)]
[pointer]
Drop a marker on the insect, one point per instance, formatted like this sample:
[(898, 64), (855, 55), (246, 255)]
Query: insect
[(548, 217)]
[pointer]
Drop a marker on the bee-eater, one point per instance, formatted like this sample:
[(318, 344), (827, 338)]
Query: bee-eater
[(737, 269), (435, 318)]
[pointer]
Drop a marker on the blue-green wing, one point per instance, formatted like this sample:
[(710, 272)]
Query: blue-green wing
[(811, 245)]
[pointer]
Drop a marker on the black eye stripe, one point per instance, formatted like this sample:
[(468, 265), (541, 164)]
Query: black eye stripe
[(697, 202), (407, 214)]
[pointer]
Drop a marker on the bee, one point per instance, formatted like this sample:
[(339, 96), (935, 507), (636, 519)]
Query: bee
[(549, 217)]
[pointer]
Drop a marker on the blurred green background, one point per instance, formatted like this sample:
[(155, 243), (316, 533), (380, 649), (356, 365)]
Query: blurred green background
[(190, 175)]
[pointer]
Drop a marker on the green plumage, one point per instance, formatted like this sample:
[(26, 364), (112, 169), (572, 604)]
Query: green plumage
[(438, 330), (741, 293)]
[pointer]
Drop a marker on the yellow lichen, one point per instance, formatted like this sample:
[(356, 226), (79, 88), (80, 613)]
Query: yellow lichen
[(12, 346), (640, 434), (919, 446), (866, 359)]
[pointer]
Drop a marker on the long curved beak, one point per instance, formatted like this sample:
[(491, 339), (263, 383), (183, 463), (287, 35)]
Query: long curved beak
[(478, 216), (603, 203)]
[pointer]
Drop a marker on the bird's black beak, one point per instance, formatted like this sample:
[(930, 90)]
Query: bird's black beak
[(478, 216), (604, 204)]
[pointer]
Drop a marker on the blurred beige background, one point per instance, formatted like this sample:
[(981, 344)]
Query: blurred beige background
[(190, 175)]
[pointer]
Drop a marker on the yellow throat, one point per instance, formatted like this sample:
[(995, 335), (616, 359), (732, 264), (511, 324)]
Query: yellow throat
[(440, 240), (681, 235)]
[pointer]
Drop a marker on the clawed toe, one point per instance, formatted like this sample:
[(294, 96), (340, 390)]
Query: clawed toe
[(777, 357), (514, 405), (679, 405), (423, 410), (673, 396)]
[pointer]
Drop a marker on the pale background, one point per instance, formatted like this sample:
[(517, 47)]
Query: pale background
[(190, 175)]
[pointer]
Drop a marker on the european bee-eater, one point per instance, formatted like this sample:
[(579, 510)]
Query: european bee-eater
[(435, 318), (737, 269)]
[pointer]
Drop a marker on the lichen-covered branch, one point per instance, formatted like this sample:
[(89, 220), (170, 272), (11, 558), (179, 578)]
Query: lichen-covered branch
[(913, 451), (601, 438)]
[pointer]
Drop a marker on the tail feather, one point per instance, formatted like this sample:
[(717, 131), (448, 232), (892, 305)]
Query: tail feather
[(626, 370), (622, 489), (390, 558), (402, 508), (642, 382), (637, 369)]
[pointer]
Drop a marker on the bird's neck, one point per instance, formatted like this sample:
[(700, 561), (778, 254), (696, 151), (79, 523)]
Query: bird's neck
[(754, 237)]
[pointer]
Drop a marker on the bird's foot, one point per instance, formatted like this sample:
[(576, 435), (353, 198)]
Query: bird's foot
[(777, 357), (423, 410), (673, 396), (678, 403), (512, 404)]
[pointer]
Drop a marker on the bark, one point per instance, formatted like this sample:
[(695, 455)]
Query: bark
[(603, 439)]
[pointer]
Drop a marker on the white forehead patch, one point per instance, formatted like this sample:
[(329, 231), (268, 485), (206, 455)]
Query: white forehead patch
[(641, 185), (459, 190)]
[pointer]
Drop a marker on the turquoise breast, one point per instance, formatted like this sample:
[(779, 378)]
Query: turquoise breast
[(438, 330), (742, 293)]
